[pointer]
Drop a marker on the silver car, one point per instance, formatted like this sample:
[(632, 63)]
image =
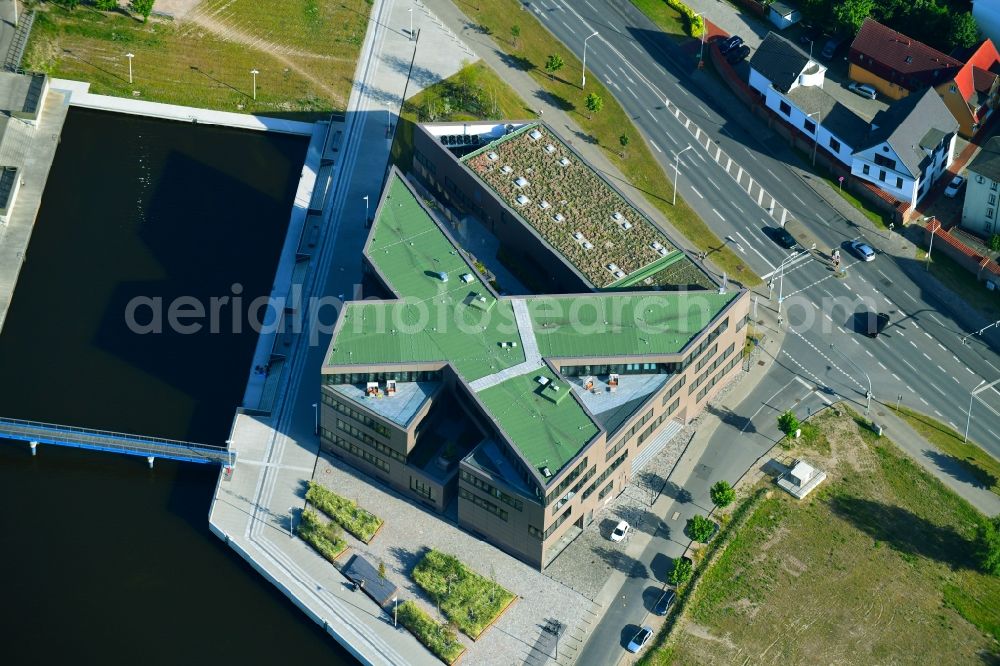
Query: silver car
[(640, 639), (863, 250)]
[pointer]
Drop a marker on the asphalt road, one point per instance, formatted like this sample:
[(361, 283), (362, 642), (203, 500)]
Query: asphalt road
[(920, 357)]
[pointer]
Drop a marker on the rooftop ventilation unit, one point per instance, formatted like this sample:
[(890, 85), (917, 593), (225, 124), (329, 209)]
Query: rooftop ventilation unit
[(577, 235), (545, 204), (542, 379), (558, 217), (656, 246), (613, 267), (549, 148), (467, 278), (535, 135), (505, 169), (546, 472), (521, 181), (522, 200), (564, 161), (491, 156), (588, 246), (617, 216), (626, 225)]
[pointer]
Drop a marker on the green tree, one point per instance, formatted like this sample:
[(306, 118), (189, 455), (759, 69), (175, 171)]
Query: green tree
[(964, 31), (141, 7), (681, 573), (788, 423), (623, 139), (700, 528), (106, 5), (850, 14), (381, 570), (515, 32), (995, 242), (68, 4), (554, 64), (722, 494), (988, 546), (594, 103)]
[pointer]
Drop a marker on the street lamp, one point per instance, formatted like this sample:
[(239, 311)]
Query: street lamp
[(819, 120), (130, 56), (366, 209), (701, 51), (410, 10), (781, 277), (255, 73), (927, 264), (677, 159), (583, 80), (291, 521), (978, 389), (395, 607), (869, 396), (316, 418)]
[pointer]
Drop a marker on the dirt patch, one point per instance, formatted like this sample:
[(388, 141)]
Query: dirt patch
[(705, 634)]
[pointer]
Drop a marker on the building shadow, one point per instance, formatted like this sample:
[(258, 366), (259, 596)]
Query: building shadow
[(964, 470)]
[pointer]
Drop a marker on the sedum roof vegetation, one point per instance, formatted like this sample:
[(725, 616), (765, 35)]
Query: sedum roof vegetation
[(560, 183), (462, 323)]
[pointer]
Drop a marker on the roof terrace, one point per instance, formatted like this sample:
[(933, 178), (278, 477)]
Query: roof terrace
[(570, 206)]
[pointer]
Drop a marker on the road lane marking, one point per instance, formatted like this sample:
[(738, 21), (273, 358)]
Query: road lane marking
[(696, 192), (926, 356), (750, 153), (869, 353), (567, 26), (882, 365), (634, 45), (923, 401), (712, 183), (652, 116), (797, 197), (632, 92), (897, 377), (653, 143), (773, 175), (935, 387), (942, 346), (942, 370), (625, 74), (719, 214), (909, 364)]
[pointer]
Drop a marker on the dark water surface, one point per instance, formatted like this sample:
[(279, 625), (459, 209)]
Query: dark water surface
[(105, 561)]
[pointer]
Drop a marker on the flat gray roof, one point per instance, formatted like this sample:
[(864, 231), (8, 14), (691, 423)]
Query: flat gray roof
[(399, 408)]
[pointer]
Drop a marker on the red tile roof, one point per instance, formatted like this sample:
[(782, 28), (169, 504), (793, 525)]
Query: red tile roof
[(900, 59), (983, 58), (982, 79)]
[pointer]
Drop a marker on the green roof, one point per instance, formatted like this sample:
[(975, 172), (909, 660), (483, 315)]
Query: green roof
[(459, 321), (548, 432), (622, 324)]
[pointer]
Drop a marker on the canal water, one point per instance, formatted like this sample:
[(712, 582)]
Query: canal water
[(104, 560)]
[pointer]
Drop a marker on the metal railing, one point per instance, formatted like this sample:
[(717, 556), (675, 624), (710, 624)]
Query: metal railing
[(117, 442)]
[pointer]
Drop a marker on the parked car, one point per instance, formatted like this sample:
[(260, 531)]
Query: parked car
[(863, 250), (736, 56), (954, 187), (831, 46), (781, 236), (640, 639), (621, 531), (666, 600), (729, 44), (863, 89)]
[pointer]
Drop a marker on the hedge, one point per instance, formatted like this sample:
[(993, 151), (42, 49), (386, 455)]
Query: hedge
[(695, 25), (437, 638), (344, 512)]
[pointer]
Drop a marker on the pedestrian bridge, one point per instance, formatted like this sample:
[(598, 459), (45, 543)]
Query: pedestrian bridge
[(113, 442)]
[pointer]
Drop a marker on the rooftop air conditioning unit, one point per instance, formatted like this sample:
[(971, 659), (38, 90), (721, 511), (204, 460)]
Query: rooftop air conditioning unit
[(545, 204), (588, 246), (617, 216), (549, 148), (491, 156), (535, 135), (521, 181), (522, 200), (563, 161)]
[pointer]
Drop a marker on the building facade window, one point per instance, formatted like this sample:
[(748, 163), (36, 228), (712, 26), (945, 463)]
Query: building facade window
[(992, 200), (899, 183), (421, 488), (993, 185), (483, 504), (476, 482), (360, 417), (369, 440), (809, 126), (354, 450), (785, 108), (884, 161), (881, 175), (834, 145), (865, 169)]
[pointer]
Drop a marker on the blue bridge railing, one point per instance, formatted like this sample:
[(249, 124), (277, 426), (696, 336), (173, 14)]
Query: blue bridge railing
[(114, 442)]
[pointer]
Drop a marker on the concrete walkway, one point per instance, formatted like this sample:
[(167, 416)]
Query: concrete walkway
[(532, 357)]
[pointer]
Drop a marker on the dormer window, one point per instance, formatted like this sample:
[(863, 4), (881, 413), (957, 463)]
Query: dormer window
[(909, 59)]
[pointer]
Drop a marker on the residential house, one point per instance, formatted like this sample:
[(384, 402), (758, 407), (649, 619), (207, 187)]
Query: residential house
[(902, 151), (897, 65), (908, 147), (987, 15), (973, 94), (979, 211), (783, 15)]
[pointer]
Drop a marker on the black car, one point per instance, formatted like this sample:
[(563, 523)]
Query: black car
[(875, 323), (662, 606), (736, 56), (781, 236), (730, 44)]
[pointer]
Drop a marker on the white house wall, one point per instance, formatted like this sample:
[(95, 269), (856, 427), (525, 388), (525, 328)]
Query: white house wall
[(798, 117), (979, 212), (905, 193)]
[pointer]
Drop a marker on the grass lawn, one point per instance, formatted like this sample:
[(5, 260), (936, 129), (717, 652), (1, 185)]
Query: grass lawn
[(604, 128), (985, 467), (324, 538), (475, 92), (344, 512), (437, 638), (873, 214), (875, 567), (963, 283), (667, 19), (469, 600), (305, 51)]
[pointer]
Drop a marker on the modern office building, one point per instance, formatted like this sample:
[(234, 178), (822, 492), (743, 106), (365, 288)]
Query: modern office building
[(533, 411)]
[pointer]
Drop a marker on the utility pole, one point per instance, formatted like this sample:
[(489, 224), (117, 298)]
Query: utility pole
[(927, 264), (254, 72), (819, 120), (975, 391), (677, 159), (130, 55), (583, 79), (849, 360)]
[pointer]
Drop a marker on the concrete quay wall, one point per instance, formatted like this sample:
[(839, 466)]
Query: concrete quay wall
[(79, 95)]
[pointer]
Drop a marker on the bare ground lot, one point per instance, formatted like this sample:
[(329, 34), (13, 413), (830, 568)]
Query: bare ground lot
[(304, 50), (875, 567)]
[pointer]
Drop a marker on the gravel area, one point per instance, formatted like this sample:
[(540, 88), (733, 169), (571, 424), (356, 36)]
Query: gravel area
[(518, 637)]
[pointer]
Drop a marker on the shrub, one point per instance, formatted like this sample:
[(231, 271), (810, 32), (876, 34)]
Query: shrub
[(988, 546), (141, 7), (694, 25), (554, 64), (594, 103), (325, 539), (681, 572), (995, 242), (700, 528), (466, 598), (106, 5), (722, 494), (438, 638), (788, 423), (346, 513)]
